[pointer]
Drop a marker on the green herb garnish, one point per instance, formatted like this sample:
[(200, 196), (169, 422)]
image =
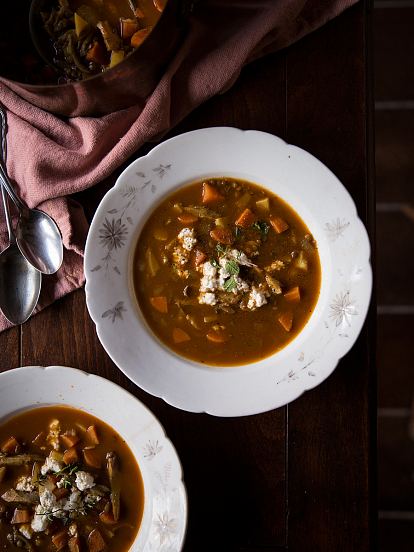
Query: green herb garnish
[(214, 263), (221, 250), (261, 226), (232, 267), (229, 284)]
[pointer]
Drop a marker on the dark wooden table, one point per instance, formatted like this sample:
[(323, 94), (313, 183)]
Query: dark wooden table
[(302, 477)]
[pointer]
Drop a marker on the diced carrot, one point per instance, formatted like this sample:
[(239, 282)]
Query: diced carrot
[(60, 540), (139, 37), (54, 526), (60, 493), (159, 303), (128, 27), (286, 319), (199, 257), (53, 478), (222, 235), (211, 194), (71, 456), (96, 542), (10, 446), (292, 295), (74, 544), (107, 518), (180, 335), (96, 53), (20, 515), (92, 458), (187, 218), (91, 435), (40, 440), (246, 219), (139, 13), (279, 224), (218, 337), (69, 439)]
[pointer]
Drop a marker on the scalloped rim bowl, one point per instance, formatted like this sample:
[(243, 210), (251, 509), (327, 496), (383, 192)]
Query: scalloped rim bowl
[(166, 511), (316, 195)]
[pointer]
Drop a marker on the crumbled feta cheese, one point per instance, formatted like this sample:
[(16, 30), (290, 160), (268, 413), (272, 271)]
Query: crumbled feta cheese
[(180, 255), (209, 269), (53, 436), (39, 522), (73, 502), (241, 284), (24, 483), (84, 480), (48, 500), (208, 283), (240, 258), (187, 238), (276, 265), (207, 298), (51, 465), (257, 298)]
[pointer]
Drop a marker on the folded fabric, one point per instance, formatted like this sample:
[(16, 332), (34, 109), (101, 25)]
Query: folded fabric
[(50, 157)]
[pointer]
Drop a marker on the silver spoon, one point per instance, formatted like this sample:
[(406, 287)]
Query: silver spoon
[(37, 235), (20, 282)]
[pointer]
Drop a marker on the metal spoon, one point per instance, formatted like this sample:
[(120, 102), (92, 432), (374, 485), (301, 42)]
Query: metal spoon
[(37, 235), (20, 282)]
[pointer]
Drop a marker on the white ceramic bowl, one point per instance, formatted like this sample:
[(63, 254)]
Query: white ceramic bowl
[(165, 511), (314, 193)]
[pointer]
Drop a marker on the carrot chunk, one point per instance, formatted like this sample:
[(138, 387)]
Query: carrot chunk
[(222, 235), (159, 303), (286, 319), (107, 518), (187, 218), (96, 542), (60, 493), (69, 439), (71, 456), (92, 458), (292, 295), (128, 27), (60, 540), (246, 219), (180, 335), (10, 446), (96, 54), (20, 515), (279, 224), (199, 257), (91, 435), (139, 13), (139, 37), (218, 337), (211, 194)]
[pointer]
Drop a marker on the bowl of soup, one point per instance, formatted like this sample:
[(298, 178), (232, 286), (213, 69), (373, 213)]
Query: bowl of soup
[(88, 57), (222, 271), (75, 474)]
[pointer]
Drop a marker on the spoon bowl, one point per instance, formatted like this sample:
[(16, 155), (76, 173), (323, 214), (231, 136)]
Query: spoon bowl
[(37, 235)]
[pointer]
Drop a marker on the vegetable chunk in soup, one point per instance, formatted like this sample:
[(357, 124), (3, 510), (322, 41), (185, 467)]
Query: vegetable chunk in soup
[(68, 482), (226, 273)]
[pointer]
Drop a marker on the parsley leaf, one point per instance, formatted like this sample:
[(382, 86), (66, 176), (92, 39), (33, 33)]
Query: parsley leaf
[(229, 284), (232, 267)]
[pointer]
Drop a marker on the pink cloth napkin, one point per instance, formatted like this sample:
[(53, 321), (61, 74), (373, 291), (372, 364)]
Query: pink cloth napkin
[(50, 157)]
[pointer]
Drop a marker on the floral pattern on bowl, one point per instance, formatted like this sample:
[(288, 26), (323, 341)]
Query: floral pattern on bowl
[(298, 178)]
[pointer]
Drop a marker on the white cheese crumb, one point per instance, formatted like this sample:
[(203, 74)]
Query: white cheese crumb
[(39, 522), (51, 465), (241, 284), (84, 480), (180, 255), (24, 483), (208, 283), (53, 436), (187, 238), (257, 298), (26, 530), (74, 501), (207, 298), (209, 269)]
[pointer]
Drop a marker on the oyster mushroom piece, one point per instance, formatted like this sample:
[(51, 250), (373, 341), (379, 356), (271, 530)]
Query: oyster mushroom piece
[(115, 482)]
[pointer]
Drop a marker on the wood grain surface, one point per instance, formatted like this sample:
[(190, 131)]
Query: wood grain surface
[(302, 477)]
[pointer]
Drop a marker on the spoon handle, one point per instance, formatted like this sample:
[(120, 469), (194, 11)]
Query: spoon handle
[(3, 172)]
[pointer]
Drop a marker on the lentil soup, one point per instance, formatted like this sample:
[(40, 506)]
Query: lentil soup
[(225, 272)]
